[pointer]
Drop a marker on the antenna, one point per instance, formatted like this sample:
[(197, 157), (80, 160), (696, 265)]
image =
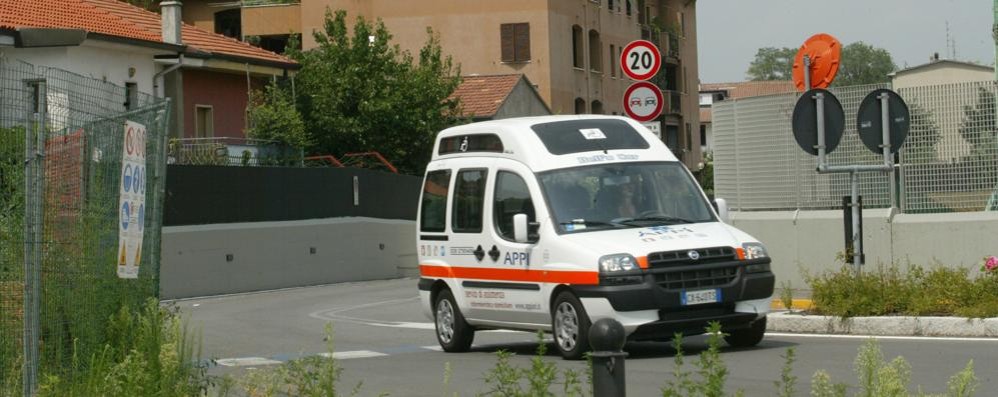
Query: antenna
[(950, 43)]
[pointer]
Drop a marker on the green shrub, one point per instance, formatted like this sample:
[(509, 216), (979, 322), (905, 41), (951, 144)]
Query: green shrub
[(507, 380), (887, 290), (150, 353)]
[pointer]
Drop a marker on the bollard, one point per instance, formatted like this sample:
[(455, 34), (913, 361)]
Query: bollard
[(606, 337)]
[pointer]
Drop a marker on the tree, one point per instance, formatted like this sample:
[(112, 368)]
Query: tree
[(920, 146), (360, 93), (864, 64), (978, 129), (151, 5), (860, 64), (274, 117), (772, 63)]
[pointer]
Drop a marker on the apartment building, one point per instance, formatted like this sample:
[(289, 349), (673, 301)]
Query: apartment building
[(569, 49)]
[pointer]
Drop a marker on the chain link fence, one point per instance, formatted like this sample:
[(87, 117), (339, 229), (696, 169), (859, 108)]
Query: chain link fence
[(949, 161), (62, 138)]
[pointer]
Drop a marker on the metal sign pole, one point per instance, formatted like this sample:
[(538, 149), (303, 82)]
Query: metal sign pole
[(885, 118), (857, 238), (819, 98), (807, 72)]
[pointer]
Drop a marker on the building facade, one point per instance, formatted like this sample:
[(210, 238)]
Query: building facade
[(569, 49)]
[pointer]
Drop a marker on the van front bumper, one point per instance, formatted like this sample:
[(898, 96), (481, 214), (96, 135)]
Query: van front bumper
[(743, 300)]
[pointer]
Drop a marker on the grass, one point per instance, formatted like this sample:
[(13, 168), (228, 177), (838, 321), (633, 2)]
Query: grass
[(915, 291)]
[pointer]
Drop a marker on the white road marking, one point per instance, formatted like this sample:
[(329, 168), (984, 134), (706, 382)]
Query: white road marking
[(922, 338), (353, 354), (246, 362), (433, 347)]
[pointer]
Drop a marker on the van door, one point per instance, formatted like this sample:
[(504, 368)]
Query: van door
[(469, 249), (513, 192)]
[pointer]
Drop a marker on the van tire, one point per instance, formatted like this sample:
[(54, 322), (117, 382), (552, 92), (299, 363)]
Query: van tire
[(747, 337), (453, 333), (570, 326)]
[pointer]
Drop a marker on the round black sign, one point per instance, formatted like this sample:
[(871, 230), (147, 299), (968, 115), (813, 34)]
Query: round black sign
[(870, 124), (805, 121)]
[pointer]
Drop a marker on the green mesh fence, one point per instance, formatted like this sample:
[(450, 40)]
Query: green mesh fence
[(62, 174)]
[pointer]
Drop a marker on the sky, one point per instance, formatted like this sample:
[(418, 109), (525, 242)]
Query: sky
[(730, 31)]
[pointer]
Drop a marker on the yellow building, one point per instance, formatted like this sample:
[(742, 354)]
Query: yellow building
[(569, 49)]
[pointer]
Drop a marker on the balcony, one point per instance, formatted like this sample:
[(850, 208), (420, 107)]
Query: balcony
[(674, 102), (270, 17)]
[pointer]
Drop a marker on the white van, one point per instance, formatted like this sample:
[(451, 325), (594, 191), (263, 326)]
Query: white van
[(551, 223)]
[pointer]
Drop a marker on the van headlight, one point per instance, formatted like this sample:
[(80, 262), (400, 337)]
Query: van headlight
[(755, 251), (617, 263)]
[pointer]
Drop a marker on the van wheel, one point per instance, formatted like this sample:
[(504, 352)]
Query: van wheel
[(747, 337), (453, 333), (570, 326)]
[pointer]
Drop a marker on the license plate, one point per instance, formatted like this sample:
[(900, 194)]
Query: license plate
[(701, 297)]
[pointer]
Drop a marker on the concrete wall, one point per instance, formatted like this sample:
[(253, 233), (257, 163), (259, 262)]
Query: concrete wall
[(96, 59), (271, 255), (271, 20), (808, 241), (522, 101)]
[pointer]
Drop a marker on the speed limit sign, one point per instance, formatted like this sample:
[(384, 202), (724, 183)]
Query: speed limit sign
[(640, 60)]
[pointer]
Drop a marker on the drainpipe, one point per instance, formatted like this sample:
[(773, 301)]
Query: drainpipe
[(162, 73)]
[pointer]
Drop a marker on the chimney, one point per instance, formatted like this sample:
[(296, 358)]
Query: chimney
[(171, 21), (935, 57)]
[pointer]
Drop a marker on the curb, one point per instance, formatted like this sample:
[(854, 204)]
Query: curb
[(882, 326)]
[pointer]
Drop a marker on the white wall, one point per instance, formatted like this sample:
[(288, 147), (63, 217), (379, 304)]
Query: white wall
[(96, 59), (808, 241)]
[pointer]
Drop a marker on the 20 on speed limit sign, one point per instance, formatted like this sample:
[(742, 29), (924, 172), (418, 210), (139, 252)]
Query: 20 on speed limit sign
[(643, 101), (640, 60)]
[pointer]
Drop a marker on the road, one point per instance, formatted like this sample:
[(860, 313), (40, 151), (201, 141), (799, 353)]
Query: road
[(383, 339)]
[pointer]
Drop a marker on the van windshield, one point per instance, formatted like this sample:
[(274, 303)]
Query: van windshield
[(609, 196)]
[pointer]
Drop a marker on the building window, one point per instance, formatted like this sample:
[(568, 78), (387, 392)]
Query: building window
[(689, 137), (229, 23), (515, 42), (627, 6), (597, 107), (131, 96), (703, 135), (595, 52), (580, 106), (613, 65), (204, 123), (609, 5), (434, 206), (577, 60), (469, 199), (616, 59)]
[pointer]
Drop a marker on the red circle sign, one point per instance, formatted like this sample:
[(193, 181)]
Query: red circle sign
[(640, 60), (643, 101)]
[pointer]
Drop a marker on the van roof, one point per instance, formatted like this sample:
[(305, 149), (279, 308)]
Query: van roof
[(550, 142)]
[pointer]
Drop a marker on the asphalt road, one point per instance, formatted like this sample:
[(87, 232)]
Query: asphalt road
[(383, 339)]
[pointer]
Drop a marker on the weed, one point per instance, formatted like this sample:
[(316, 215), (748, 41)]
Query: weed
[(506, 380), (787, 295), (821, 386), (711, 369), (785, 387)]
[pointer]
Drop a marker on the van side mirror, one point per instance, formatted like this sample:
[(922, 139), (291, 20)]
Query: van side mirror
[(520, 233), (721, 205)]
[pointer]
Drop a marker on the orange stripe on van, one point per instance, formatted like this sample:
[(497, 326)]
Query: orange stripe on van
[(526, 275)]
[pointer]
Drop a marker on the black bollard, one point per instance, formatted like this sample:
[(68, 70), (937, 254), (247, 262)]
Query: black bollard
[(606, 337)]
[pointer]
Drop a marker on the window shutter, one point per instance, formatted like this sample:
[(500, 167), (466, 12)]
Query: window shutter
[(522, 39), (507, 38)]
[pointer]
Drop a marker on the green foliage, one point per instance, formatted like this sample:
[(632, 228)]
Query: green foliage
[(360, 93), (864, 64), (151, 5), (887, 290), (712, 370), (150, 353), (772, 63), (706, 174), (821, 386), (274, 117), (309, 376), (787, 295), (861, 64), (507, 380), (786, 386), (978, 130), (920, 146)]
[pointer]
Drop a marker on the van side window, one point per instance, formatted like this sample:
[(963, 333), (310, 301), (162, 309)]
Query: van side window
[(469, 198), (434, 205), (511, 197)]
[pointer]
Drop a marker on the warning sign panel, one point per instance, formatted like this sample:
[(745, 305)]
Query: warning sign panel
[(132, 200)]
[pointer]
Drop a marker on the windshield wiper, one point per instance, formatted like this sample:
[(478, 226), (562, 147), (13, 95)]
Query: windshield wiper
[(654, 218)]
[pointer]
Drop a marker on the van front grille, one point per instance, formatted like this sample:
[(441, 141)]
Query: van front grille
[(704, 256), (693, 279)]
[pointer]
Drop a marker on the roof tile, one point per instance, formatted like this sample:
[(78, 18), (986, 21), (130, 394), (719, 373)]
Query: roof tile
[(116, 18), (481, 96)]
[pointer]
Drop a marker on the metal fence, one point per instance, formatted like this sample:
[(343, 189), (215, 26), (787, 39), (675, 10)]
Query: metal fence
[(62, 138), (242, 152), (948, 163)]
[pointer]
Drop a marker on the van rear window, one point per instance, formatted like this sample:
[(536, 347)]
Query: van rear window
[(576, 136), (471, 143)]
